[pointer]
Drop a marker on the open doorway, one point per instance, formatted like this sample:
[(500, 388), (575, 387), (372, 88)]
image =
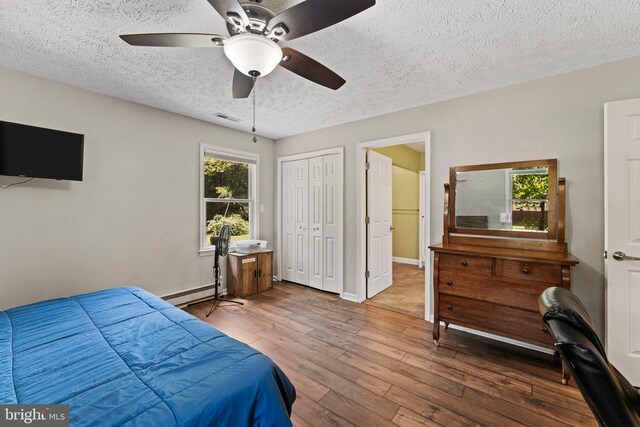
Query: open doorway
[(396, 229)]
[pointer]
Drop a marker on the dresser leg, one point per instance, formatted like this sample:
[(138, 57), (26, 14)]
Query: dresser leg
[(436, 332), (446, 325)]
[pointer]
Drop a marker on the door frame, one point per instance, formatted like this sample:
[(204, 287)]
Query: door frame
[(361, 210), (301, 156)]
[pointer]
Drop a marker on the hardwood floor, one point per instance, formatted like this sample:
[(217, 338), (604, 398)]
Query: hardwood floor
[(357, 364), (406, 294)]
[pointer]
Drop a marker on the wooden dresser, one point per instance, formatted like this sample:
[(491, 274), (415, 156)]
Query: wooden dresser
[(496, 289), (249, 273), (488, 276)]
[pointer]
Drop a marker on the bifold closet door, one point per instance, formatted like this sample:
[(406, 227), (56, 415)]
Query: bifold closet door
[(295, 220), (332, 222), (312, 193), (316, 222)]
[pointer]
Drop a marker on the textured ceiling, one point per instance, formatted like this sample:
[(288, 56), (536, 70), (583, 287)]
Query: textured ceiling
[(397, 55)]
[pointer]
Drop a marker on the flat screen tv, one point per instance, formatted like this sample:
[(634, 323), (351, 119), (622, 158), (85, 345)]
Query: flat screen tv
[(40, 153)]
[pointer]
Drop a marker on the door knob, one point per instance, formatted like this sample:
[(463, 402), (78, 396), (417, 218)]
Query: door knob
[(392, 228), (621, 256)]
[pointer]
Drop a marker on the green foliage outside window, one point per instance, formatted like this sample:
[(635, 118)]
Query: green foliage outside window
[(239, 226), (226, 180)]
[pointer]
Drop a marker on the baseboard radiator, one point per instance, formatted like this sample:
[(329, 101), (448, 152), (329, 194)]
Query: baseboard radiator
[(191, 296)]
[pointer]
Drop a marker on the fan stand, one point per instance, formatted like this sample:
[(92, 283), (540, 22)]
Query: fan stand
[(217, 298)]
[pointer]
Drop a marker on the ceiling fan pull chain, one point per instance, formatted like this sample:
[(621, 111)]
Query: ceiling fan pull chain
[(253, 129)]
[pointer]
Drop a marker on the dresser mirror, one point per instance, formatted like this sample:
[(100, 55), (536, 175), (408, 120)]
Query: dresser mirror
[(516, 199)]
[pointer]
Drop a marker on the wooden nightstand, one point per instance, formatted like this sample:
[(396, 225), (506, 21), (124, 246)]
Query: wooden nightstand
[(249, 273)]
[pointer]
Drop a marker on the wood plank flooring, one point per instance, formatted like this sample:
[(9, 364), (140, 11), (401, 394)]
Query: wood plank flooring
[(358, 364), (406, 294)]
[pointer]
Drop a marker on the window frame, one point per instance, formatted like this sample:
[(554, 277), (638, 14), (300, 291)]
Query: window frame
[(207, 150)]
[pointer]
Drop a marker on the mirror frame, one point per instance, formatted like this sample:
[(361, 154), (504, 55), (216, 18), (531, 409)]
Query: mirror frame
[(550, 234)]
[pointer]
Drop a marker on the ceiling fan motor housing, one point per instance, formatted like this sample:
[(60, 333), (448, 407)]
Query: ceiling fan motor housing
[(258, 16)]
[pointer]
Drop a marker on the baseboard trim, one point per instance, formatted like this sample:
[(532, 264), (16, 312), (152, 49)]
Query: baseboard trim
[(498, 338), (349, 296), (409, 261), (191, 295)]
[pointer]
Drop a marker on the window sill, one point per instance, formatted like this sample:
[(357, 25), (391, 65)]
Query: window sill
[(212, 250), (207, 252)]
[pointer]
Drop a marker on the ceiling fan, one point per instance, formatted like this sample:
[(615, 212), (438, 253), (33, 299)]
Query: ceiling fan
[(255, 32)]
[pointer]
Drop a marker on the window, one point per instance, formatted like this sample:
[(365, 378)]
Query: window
[(228, 194)]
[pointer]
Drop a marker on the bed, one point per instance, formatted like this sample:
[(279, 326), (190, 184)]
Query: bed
[(126, 357)]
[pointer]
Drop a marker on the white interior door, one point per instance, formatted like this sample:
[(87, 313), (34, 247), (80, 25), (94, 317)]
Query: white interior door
[(295, 221), (421, 218), (379, 211), (316, 204), (302, 221), (288, 221), (622, 236), (332, 222)]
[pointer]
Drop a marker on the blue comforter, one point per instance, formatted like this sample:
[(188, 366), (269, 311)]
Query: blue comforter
[(124, 356)]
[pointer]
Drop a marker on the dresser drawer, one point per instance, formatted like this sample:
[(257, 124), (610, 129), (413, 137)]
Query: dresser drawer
[(494, 318), (531, 271), (467, 264), (517, 294)]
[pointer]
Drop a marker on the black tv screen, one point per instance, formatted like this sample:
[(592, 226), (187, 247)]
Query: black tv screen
[(40, 153)]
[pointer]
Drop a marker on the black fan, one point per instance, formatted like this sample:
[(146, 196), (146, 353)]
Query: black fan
[(221, 242)]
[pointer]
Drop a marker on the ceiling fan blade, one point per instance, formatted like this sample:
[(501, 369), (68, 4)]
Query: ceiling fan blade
[(174, 39), (230, 8), (313, 15), (242, 85), (310, 69)]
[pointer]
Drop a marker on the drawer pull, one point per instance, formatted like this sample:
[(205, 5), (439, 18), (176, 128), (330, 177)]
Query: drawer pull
[(464, 263), (449, 307), (449, 282), (545, 330), (526, 269)]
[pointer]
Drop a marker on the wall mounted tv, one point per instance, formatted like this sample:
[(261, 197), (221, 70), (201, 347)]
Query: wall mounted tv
[(40, 153)]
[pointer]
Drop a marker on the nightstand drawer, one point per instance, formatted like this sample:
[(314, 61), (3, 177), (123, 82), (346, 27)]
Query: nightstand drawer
[(494, 318), (532, 271), (522, 295), (467, 264)]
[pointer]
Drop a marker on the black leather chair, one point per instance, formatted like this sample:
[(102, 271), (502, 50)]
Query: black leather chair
[(612, 399)]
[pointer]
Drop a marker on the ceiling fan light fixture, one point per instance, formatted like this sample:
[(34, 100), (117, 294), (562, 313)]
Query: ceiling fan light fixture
[(251, 53)]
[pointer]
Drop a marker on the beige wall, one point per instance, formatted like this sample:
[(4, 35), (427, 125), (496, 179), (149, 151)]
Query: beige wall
[(405, 200), (135, 217), (559, 117)]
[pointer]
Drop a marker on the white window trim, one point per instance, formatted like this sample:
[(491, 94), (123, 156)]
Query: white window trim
[(212, 151)]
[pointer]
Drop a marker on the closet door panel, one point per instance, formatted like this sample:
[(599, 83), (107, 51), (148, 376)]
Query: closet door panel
[(332, 213), (288, 221), (316, 205), (301, 214)]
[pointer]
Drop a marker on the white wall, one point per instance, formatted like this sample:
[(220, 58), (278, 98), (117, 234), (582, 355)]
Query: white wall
[(559, 117), (135, 217)]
